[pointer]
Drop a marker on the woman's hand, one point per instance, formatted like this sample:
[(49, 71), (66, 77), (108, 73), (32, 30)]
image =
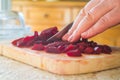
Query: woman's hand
[(94, 18)]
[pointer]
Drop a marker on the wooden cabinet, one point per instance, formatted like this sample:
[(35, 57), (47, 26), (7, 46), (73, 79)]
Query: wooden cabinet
[(40, 15), (47, 17)]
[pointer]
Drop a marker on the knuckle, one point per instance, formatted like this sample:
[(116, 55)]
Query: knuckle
[(70, 31), (82, 12), (85, 35), (90, 16), (104, 20)]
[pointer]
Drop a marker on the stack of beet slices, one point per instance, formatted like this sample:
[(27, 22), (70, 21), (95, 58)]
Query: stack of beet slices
[(38, 42)]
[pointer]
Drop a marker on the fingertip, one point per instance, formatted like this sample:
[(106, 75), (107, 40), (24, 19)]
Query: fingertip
[(84, 35), (73, 38), (70, 39), (65, 37)]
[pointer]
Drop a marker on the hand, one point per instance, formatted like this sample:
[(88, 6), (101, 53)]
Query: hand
[(94, 18)]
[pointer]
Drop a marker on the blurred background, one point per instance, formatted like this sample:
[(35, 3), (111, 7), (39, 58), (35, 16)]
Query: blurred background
[(42, 14)]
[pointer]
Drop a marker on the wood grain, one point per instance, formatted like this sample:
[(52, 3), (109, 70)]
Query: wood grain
[(61, 63)]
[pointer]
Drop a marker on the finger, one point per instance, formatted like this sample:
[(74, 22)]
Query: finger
[(82, 13), (110, 19), (90, 19), (76, 22)]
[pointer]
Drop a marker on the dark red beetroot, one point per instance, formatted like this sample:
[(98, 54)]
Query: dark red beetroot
[(74, 53), (106, 49), (15, 42), (25, 42), (30, 40), (84, 44), (71, 49), (52, 49), (92, 44), (22, 42), (56, 47), (61, 48), (81, 47), (47, 33), (38, 47), (89, 50), (98, 50)]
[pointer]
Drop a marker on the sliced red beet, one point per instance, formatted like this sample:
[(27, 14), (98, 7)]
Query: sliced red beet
[(81, 47), (74, 53), (85, 44), (28, 38), (89, 50), (26, 41), (35, 34), (52, 50), (98, 49), (70, 47), (106, 49), (61, 48), (18, 42), (23, 42), (38, 47), (56, 47), (92, 44), (15, 42), (47, 33)]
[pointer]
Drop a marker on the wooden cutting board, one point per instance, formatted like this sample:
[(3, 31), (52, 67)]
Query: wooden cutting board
[(61, 63)]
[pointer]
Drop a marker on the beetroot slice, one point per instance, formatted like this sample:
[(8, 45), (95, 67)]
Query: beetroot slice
[(56, 47), (47, 33), (26, 41), (74, 53), (38, 47), (52, 49), (106, 49), (17, 42), (61, 48), (89, 50), (70, 47), (98, 50)]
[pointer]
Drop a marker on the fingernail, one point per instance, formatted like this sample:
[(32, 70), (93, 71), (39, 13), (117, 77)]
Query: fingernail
[(84, 35), (65, 37), (70, 39)]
